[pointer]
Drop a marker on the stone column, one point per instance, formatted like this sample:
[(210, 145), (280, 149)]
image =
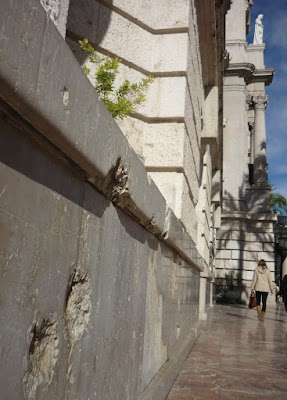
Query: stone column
[(211, 294), (260, 166), (252, 155), (202, 299)]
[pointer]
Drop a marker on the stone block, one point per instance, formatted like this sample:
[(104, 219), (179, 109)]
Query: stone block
[(268, 257), (223, 254), (220, 264), (134, 43), (170, 185), (134, 131), (164, 98), (192, 114), (247, 275), (253, 246), (224, 235), (268, 247), (210, 115), (175, 234), (260, 226), (237, 13), (271, 266), (164, 145), (216, 186), (203, 248), (246, 236), (249, 265), (148, 13), (233, 245), (240, 264), (244, 255), (236, 50), (266, 237), (255, 55), (217, 217), (188, 213), (170, 52), (191, 162), (230, 224)]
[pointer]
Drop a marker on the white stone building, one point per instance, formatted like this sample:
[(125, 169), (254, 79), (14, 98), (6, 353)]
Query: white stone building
[(246, 233), (113, 234), (178, 132)]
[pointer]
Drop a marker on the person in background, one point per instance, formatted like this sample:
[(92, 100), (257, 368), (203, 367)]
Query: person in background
[(261, 284), (283, 291)]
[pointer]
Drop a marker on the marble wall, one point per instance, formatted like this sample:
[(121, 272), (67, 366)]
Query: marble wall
[(91, 301)]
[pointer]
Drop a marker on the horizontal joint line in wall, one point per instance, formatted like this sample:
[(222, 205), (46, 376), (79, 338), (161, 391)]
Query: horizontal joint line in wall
[(157, 120), (166, 31), (164, 169), (161, 74)]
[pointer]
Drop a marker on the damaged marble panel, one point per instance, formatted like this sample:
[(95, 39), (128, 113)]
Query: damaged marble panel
[(42, 357)]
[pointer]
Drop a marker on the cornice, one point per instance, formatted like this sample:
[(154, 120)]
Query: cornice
[(263, 75), (243, 70), (256, 47), (249, 73)]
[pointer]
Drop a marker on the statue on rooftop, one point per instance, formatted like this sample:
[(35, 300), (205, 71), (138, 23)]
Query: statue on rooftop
[(258, 33)]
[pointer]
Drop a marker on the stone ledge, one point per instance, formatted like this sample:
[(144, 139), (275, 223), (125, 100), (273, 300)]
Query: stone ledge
[(51, 92), (248, 216), (243, 70), (263, 75)]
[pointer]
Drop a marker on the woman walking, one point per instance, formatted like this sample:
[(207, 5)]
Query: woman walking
[(261, 283)]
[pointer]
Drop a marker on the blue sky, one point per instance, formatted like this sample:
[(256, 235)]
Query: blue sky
[(275, 38)]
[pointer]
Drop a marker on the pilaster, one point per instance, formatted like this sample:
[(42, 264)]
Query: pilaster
[(260, 165), (202, 299)]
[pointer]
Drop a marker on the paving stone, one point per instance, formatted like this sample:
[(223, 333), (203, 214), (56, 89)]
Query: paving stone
[(236, 357)]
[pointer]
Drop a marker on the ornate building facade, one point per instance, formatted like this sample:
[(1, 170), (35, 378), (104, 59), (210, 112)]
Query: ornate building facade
[(246, 234)]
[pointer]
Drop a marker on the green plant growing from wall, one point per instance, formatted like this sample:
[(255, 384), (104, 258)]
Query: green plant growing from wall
[(233, 279), (120, 101)]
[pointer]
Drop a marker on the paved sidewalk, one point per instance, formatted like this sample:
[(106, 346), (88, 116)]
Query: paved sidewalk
[(237, 357)]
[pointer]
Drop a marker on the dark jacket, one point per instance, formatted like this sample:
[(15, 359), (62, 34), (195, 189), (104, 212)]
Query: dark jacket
[(283, 289)]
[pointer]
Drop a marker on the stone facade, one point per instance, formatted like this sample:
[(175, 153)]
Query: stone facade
[(178, 131), (246, 233), (106, 277), (112, 232)]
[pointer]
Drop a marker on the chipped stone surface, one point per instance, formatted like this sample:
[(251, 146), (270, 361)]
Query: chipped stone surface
[(78, 305), (120, 188), (42, 357), (58, 12)]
